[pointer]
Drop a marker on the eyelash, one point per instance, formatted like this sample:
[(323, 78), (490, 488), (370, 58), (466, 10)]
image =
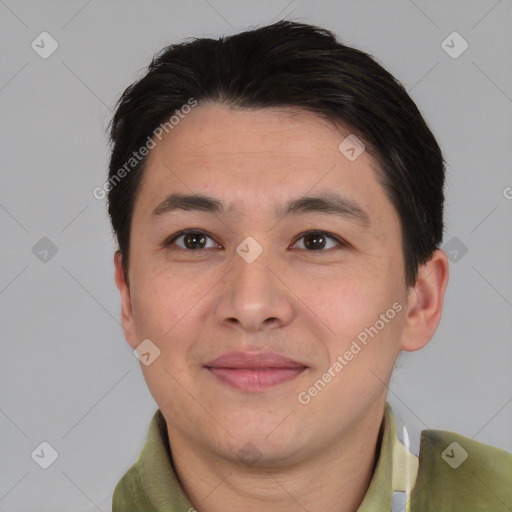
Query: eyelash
[(170, 241)]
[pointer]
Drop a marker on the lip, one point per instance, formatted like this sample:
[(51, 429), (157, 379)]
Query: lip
[(256, 360), (254, 372)]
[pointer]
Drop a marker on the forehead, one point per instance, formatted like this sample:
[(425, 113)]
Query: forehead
[(254, 158), (223, 131)]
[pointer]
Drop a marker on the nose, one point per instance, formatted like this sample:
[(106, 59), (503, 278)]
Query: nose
[(255, 296)]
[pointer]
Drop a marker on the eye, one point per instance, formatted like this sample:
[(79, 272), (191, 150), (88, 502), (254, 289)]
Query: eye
[(318, 240), (192, 239)]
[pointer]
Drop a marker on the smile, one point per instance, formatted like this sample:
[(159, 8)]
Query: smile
[(254, 372), (257, 379)]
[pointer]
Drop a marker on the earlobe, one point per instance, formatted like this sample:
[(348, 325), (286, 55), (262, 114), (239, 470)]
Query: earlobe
[(425, 302), (126, 302)]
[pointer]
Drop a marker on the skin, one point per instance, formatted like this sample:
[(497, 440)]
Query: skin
[(307, 305)]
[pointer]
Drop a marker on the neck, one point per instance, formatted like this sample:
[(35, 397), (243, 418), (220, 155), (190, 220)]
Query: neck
[(333, 480)]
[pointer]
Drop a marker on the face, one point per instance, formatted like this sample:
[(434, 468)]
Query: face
[(323, 287)]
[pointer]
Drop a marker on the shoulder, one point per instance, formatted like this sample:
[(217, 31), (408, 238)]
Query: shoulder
[(457, 473), (131, 493), (128, 495)]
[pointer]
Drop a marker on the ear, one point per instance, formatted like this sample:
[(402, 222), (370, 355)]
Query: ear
[(126, 301), (425, 302)]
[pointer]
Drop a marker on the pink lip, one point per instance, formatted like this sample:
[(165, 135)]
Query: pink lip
[(254, 372)]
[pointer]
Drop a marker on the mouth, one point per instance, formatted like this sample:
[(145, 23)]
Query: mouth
[(254, 372)]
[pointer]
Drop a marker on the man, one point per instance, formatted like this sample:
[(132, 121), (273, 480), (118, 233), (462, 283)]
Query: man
[(278, 202)]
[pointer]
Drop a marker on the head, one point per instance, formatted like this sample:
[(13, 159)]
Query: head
[(312, 190)]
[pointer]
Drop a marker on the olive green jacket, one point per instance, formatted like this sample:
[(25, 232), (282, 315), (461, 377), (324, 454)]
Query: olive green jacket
[(452, 473)]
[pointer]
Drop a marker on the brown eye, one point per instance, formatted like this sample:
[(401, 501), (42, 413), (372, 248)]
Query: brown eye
[(191, 240), (319, 240), (194, 240)]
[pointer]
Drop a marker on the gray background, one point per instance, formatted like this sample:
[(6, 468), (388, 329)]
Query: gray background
[(68, 377)]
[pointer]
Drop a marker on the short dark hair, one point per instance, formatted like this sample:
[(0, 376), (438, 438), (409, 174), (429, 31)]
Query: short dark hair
[(297, 65)]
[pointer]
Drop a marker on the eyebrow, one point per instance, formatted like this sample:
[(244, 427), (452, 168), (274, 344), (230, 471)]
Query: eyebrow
[(329, 203)]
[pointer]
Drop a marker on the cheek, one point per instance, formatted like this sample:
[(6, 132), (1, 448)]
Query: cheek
[(345, 300), (171, 310), (362, 307), (160, 301), (163, 309)]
